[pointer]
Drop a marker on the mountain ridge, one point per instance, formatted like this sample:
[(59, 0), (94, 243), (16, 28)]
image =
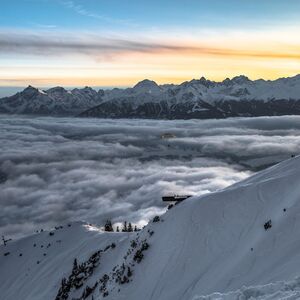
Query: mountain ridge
[(198, 98)]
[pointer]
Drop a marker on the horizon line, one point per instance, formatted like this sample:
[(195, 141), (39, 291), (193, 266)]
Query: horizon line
[(49, 86)]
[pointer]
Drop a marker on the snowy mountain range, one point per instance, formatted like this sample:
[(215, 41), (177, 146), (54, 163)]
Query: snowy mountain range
[(55, 101), (201, 98), (207, 247)]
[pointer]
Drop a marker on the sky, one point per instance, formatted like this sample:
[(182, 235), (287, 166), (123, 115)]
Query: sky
[(120, 42)]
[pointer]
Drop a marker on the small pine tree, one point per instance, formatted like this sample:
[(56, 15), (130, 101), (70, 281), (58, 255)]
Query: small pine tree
[(75, 266), (108, 226), (63, 281), (124, 229), (135, 228), (118, 230), (129, 229)]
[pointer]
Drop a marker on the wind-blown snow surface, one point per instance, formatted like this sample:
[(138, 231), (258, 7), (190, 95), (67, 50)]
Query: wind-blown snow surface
[(288, 290), (214, 243), (55, 170)]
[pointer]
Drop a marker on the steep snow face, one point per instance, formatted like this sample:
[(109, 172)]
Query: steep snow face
[(245, 235), (218, 242)]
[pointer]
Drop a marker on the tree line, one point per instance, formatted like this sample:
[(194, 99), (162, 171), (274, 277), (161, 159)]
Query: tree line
[(126, 227)]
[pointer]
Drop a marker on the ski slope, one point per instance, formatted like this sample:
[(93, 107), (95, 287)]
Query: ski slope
[(209, 245)]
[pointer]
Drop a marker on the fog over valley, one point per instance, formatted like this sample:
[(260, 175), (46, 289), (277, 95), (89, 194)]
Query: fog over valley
[(56, 170)]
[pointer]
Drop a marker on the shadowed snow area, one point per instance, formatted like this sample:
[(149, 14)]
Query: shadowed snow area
[(54, 170)]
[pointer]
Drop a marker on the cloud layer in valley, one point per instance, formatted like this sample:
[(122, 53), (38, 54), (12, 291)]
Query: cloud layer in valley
[(53, 171)]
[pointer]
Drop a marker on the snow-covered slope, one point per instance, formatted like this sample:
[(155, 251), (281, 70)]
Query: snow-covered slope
[(199, 98), (211, 244), (36, 264), (55, 101), (202, 99)]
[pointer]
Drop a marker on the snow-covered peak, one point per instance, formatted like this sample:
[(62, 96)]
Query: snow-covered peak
[(85, 92), (88, 89), (240, 79), (30, 87), (30, 91), (147, 86), (57, 89), (207, 83)]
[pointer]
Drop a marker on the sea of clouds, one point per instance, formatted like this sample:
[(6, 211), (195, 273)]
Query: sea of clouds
[(56, 170)]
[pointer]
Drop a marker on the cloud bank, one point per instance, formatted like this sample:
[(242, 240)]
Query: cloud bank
[(53, 171)]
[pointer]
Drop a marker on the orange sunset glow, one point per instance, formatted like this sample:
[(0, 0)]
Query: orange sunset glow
[(269, 54)]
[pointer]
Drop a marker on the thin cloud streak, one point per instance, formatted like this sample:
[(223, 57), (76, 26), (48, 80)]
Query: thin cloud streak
[(41, 44), (79, 9)]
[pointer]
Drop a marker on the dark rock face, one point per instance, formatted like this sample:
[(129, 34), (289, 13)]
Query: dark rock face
[(256, 108), (195, 110)]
